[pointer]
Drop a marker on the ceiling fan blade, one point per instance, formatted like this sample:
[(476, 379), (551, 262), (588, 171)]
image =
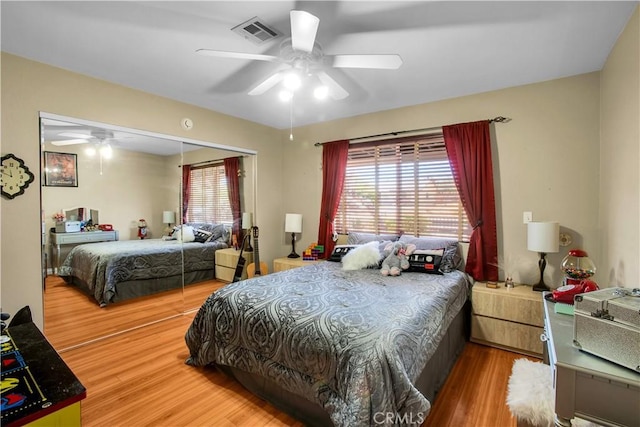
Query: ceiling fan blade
[(237, 55), (69, 142), (335, 90), (386, 62), (304, 27), (267, 84)]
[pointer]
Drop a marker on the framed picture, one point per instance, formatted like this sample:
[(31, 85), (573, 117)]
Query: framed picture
[(60, 169)]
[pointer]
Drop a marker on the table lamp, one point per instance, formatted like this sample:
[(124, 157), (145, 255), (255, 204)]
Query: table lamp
[(293, 225), (168, 217), (247, 224), (544, 238)]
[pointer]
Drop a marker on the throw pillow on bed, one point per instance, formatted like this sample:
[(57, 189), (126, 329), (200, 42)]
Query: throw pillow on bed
[(202, 236), (339, 251), (426, 261), (185, 234), (365, 256)]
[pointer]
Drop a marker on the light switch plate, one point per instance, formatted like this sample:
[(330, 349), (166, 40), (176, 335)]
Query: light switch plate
[(527, 217)]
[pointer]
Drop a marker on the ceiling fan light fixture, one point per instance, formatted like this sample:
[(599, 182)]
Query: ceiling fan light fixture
[(90, 151), (106, 151), (292, 81), (285, 95), (321, 92)]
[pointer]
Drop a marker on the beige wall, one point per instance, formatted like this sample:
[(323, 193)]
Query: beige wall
[(143, 175), (549, 160), (546, 161), (619, 160), (28, 88)]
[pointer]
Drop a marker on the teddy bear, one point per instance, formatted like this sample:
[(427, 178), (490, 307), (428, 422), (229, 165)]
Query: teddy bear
[(396, 258)]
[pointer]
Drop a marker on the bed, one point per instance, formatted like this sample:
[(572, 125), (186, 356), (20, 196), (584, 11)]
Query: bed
[(337, 347), (111, 272)]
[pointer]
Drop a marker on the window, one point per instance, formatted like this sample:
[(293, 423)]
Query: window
[(401, 186), (209, 195)]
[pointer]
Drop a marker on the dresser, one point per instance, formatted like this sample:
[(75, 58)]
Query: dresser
[(586, 385), (507, 318), (59, 240), (281, 264), (227, 261)]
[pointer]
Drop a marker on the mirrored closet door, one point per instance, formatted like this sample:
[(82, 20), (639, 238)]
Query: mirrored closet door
[(103, 184)]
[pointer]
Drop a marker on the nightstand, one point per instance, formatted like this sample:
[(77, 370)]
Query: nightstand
[(281, 264), (507, 318), (226, 262)]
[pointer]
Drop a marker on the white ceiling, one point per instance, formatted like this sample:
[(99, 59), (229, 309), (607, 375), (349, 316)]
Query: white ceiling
[(449, 49)]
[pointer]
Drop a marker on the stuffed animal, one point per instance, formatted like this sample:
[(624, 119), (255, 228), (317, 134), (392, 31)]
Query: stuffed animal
[(396, 258)]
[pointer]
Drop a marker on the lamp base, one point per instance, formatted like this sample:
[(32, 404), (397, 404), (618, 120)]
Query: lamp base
[(542, 263), (540, 287), (293, 253)]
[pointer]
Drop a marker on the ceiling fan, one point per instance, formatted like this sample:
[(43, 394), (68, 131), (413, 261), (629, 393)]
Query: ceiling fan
[(301, 57)]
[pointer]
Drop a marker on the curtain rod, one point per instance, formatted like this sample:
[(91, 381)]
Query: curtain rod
[(498, 119)]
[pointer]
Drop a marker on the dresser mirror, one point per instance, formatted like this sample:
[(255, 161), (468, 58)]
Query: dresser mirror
[(117, 184)]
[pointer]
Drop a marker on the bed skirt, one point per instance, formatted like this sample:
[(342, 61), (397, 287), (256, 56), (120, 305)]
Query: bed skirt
[(429, 382), (139, 288)]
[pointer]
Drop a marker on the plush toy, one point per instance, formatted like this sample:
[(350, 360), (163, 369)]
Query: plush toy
[(396, 258)]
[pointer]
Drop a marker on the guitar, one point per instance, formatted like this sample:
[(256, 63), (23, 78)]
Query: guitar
[(256, 268), (241, 261)]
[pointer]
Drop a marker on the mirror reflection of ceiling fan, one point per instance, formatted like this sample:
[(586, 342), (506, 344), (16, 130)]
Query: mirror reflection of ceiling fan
[(100, 140), (301, 58)]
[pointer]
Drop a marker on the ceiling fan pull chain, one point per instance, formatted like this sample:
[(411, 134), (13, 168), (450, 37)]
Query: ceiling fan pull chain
[(291, 118)]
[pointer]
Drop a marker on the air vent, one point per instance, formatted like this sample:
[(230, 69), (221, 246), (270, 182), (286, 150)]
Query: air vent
[(256, 31)]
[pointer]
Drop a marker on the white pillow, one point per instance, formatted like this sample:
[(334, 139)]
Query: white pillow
[(367, 255), (186, 234)]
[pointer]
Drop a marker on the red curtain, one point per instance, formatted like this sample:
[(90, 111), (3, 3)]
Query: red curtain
[(469, 150), (334, 166), (231, 171), (186, 190)]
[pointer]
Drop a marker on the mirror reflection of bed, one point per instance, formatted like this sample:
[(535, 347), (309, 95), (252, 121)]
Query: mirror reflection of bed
[(119, 193)]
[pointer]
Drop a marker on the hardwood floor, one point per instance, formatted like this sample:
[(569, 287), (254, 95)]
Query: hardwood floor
[(71, 317), (139, 378)]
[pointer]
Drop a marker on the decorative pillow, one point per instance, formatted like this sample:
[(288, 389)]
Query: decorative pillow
[(450, 258), (426, 261), (202, 236), (362, 238), (339, 251), (365, 256), (185, 234)]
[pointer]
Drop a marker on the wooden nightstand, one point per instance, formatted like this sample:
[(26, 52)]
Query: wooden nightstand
[(510, 319), (226, 262), (281, 264)]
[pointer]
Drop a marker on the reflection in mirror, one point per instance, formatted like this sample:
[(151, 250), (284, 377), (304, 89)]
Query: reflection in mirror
[(98, 232)]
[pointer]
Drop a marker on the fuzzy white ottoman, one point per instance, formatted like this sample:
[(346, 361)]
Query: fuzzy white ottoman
[(530, 395)]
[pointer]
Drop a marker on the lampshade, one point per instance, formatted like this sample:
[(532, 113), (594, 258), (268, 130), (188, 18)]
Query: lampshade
[(293, 223), (543, 237), (168, 217), (247, 220)]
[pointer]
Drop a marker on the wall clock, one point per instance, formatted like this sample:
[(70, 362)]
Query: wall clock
[(15, 177)]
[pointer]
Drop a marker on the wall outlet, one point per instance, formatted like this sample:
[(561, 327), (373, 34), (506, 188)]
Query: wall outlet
[(527, 217)]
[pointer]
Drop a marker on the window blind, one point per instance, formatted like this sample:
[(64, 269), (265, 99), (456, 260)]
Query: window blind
[(401, 186), (209, 195)]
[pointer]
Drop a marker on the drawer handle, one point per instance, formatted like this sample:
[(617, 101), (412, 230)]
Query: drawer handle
[(544, 337)]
